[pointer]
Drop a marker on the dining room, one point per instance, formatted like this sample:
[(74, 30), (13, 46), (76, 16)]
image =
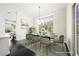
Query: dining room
[(42, 27)]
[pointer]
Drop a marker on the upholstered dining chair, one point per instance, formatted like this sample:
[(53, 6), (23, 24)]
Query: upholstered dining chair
[(45, 43), (61, 41), (36, 40), (29, 39)]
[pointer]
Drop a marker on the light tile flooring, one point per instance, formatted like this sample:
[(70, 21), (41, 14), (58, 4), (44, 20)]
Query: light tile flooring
[(53, 50)]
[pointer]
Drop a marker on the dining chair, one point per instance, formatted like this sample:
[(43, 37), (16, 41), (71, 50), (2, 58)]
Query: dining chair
[(32, 40), (45, 43), (61, 41), (29, 39), (36, 39)]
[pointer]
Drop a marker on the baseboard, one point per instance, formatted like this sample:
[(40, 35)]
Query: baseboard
[(68, 52)]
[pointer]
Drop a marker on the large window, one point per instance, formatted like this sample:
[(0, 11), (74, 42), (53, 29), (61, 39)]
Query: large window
[(46, 25)]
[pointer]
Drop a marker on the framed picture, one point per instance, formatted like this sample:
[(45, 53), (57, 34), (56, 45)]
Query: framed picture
[(24, 23)]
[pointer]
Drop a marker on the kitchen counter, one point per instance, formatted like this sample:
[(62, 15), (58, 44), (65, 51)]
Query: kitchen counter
[(4, 45), (5, 36)]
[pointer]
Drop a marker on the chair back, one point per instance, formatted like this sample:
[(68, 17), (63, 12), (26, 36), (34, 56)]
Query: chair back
[(45, 40), (61, 38), (28, 36)]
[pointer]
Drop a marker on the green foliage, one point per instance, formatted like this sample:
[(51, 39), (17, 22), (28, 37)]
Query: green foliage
[(32, 30)]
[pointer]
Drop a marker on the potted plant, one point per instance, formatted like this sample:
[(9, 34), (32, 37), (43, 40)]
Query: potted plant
[(32, 30)]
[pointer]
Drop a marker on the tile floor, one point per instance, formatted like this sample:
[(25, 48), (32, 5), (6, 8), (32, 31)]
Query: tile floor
[(52, 50)]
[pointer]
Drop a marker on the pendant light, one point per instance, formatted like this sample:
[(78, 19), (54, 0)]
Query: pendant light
[(39, 12)]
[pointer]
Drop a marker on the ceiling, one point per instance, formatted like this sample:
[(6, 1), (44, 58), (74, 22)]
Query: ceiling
[(31, 9)]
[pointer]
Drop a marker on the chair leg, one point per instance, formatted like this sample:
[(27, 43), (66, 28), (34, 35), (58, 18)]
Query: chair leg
[(47, 51), (40, 46), (36, 46), (31, 45), (63, 47), (50, 47)]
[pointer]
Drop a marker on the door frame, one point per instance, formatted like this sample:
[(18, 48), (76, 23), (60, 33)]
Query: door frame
[(76, 28)]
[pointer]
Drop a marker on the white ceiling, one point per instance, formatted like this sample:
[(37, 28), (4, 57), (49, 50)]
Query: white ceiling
[(31, 9)]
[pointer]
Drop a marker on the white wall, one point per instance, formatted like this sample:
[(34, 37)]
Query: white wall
[(21, 32), (70, 40), (2, 25), (60, 22)]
